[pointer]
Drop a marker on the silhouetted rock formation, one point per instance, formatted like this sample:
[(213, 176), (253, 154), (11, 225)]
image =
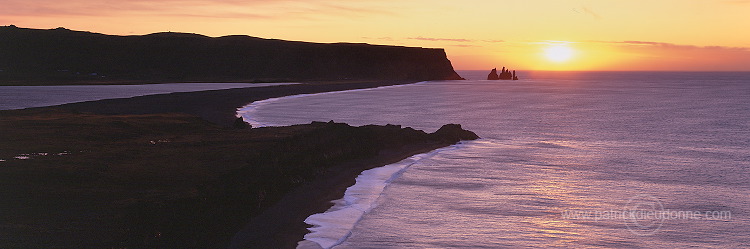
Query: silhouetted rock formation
[(240, 123), (505, 74), (493, 75), (452, 133), (60, 55), (316, 151)]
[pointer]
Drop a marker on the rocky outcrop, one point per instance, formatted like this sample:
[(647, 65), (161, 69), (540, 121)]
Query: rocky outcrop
[(505, 74), (62, 55), (493, 75), (452, 133), (330, 141), (240, 123)]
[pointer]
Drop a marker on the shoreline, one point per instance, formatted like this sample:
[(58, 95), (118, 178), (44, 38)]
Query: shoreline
[(250, 108), (283, 226), (358, 199), (216, 106), (22, 97), (190, 167)]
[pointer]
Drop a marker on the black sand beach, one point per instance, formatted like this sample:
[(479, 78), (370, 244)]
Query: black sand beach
[(169, 171), (218, 106)]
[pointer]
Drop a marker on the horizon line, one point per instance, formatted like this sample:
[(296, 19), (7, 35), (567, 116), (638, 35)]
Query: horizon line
[(621, 71)]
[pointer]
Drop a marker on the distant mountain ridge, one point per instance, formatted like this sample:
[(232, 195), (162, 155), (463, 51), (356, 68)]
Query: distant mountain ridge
[(62, 55)]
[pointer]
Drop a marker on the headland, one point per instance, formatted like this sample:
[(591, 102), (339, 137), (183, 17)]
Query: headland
[(92, 178), (179, 170), (63, 56)]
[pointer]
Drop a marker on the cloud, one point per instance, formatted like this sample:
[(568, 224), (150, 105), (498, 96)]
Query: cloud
[(673, 45), (588, 11), (465, 46), (591, 12), (439, 39), (420, 38), (737, 2), (652, 55), (551, 42), (356, 10), (241, 9), (385, 38)]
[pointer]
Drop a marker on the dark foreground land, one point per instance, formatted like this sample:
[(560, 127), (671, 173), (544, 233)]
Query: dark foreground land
[(153, 172)]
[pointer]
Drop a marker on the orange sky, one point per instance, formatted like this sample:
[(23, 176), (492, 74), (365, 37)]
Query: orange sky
[(703, 35)]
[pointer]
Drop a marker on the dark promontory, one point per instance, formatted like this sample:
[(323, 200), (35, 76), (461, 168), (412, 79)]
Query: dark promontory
[(63, 56), (80, 180), (180, 170)]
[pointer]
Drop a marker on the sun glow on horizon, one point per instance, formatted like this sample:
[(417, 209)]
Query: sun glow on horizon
[(559, 53), (604, 35)]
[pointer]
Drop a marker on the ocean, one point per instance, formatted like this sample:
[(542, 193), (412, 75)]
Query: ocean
[(566, 159), (19, 97)]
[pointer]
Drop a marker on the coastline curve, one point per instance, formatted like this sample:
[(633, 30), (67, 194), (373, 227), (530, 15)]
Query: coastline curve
[(248, 111), (334, 226)]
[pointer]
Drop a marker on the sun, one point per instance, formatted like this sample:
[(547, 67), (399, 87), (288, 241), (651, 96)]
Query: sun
[(558, 53)]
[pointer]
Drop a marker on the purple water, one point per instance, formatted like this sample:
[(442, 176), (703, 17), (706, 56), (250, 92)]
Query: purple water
[(19, 97), (606, 159)]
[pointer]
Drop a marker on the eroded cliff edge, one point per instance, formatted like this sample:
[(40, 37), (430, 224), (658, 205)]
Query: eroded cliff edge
[(58, 56), (176, 181)]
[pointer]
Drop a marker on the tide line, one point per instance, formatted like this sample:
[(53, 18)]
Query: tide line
[(335, 225), (248, 112)]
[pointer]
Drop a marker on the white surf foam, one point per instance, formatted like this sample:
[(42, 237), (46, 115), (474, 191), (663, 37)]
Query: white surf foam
[(334, 226)]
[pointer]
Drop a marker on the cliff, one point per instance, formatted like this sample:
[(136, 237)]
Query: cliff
[(61, 55)]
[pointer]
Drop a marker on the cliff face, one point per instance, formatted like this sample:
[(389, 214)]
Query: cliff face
[(65, 55)]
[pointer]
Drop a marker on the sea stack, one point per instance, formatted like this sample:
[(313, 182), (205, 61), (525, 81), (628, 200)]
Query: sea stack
[(505, 74), (493, 75)]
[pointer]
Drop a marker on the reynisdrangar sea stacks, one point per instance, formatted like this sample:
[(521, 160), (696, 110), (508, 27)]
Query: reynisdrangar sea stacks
[(505, 74)]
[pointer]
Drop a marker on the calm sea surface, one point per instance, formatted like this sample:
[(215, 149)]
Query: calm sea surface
[(623, 160), (19, 97)]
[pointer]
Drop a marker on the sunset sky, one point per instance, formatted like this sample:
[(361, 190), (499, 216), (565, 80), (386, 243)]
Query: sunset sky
[(702, 35)]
